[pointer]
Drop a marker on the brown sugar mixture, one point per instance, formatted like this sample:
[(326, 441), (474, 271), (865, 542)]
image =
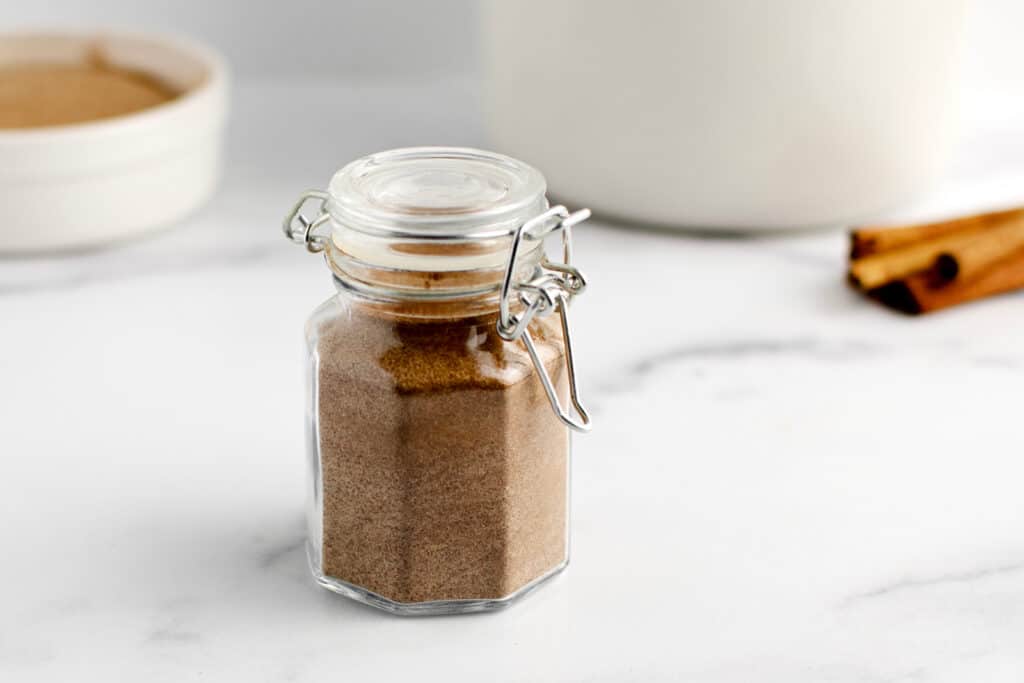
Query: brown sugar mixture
[(37, 95), (443, 470)]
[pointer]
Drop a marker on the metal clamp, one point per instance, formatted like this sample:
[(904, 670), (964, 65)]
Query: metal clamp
[(300, 229), (550, 289)]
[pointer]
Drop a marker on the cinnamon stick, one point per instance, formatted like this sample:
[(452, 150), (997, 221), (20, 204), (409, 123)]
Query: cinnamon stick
[(977, 257), (868, 240), (920, 293), (960, 254), (875, 270)]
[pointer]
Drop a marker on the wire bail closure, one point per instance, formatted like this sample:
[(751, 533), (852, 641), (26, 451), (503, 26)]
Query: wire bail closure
[(300, 229), (551, 288)]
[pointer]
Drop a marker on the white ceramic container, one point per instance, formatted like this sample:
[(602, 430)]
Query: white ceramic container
[(97, 182), (726, 114)]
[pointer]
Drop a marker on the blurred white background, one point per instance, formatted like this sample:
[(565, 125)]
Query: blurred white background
[(417, 40), (348, 38), (409, 73)]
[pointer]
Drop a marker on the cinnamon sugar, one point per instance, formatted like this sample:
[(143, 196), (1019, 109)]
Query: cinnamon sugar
[(443, 470)]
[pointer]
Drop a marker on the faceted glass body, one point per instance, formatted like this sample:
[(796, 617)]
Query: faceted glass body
[(439, 473)]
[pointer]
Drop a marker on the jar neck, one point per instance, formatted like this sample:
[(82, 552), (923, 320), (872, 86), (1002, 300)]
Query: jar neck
[(420, 293), (484, 309)]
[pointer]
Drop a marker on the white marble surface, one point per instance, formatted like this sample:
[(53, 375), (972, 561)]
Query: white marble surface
[(785, 483)]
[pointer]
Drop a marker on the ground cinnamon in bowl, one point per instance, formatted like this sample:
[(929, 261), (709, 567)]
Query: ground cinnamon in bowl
[(35, 95)]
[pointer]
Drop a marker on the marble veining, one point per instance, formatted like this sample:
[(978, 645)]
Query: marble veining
[(277, 553), (910, 584)]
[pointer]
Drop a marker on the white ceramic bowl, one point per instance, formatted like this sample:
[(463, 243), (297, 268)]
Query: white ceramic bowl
[(726, 114), (96, 182)]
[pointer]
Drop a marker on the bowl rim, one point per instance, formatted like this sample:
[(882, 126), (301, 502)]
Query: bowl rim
[(210, 58)]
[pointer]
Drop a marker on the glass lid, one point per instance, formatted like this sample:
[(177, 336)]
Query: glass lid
[(435, 194)]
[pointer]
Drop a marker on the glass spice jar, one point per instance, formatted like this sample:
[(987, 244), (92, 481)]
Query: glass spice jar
[(441, 387)]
